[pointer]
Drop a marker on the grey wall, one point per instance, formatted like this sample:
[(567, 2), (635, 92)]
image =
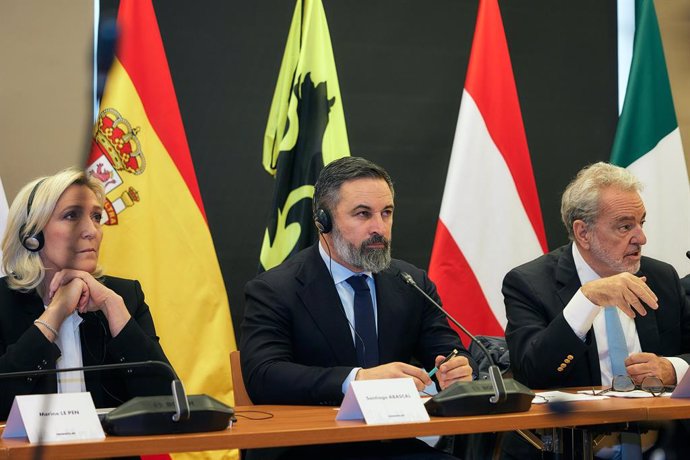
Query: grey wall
[(45, 79)]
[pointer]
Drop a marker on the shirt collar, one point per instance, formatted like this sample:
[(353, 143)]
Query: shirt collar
[(339, 272), (584, 271)]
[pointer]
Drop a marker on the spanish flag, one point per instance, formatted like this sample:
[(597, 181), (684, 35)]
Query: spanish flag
[(305, 131), (156, 229)]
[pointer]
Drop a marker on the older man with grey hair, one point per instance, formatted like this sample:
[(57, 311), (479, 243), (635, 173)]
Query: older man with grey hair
[(596, 309)]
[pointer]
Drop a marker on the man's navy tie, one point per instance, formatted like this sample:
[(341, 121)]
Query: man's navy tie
[(366, 340)]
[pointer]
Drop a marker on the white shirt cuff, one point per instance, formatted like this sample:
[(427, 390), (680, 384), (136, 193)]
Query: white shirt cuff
[(681, 367), (350, 377), (580, 313)]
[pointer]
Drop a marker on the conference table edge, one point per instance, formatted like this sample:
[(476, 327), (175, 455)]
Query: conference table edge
[(303, 425)]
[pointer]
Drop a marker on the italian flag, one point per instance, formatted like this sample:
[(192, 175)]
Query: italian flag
[(648, 143), (490, 219)]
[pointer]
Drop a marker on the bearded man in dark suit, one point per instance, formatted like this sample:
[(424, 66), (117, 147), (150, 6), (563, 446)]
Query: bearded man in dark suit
[(302, 339)]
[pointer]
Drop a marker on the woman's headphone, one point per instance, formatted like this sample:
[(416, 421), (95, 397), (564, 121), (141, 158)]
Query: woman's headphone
[(32, 242)]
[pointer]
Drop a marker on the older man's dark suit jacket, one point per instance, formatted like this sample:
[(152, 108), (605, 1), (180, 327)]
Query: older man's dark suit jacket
[(685, 282), (23, 347), (540, 340), (296, 343)]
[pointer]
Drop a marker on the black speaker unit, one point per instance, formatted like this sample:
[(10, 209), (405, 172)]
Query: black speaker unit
[(472, 398), (151, 415)]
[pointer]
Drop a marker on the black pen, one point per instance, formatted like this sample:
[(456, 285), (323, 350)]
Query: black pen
[(445, 360)]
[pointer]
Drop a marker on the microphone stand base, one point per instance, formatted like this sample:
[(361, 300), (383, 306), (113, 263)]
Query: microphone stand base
[(151, 415), (472, 398)]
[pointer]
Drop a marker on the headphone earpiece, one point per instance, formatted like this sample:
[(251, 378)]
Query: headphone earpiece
[(33, 243), (322, 220)]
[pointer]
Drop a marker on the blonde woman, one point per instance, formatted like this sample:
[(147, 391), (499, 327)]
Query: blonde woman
[(58, 310)]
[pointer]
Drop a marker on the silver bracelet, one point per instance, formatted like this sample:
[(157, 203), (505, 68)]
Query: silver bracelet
[(48, 326)]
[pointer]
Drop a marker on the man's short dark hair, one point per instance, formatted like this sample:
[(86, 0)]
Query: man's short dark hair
[(336, 173)]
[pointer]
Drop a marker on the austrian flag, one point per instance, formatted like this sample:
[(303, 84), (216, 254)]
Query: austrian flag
[(490, 218)]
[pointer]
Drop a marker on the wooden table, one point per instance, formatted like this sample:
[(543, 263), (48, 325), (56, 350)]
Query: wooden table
[(302, 425), (667, 408)]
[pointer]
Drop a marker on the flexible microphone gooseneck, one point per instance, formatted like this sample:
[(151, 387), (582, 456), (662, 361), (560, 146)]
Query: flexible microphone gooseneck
[(177, 389), (495, 376), (147, 415), (469, 398)]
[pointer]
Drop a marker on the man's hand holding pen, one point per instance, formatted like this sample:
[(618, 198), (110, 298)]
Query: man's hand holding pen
[(451, 368)]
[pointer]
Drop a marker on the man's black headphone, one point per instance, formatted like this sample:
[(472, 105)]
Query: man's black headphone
[(322, 220), (31, 242)]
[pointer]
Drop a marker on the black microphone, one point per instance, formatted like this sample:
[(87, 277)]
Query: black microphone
[(147, 415), (476, 398), (687, 254)]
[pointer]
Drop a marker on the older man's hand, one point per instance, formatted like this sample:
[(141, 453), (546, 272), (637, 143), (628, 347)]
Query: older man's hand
[(641, 365), (625, 291)]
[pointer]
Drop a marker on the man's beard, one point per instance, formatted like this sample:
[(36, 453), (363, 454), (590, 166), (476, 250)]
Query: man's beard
[(367, 259), (617, 265)]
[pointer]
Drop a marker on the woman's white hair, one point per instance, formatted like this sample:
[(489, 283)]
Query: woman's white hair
[(24, 268), (580, 199)]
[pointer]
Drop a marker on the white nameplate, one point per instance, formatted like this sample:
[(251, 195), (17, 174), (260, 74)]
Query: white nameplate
[(383, 401), (54, 417)]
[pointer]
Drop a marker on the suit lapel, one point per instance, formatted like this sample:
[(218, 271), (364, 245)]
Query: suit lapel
[(566, 276), (389, 305), (569, 282), (33, 307), (321, 300), (647, 330)]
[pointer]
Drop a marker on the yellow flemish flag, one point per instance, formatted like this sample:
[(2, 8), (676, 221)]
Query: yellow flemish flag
[(305, 131), (156, 229)]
